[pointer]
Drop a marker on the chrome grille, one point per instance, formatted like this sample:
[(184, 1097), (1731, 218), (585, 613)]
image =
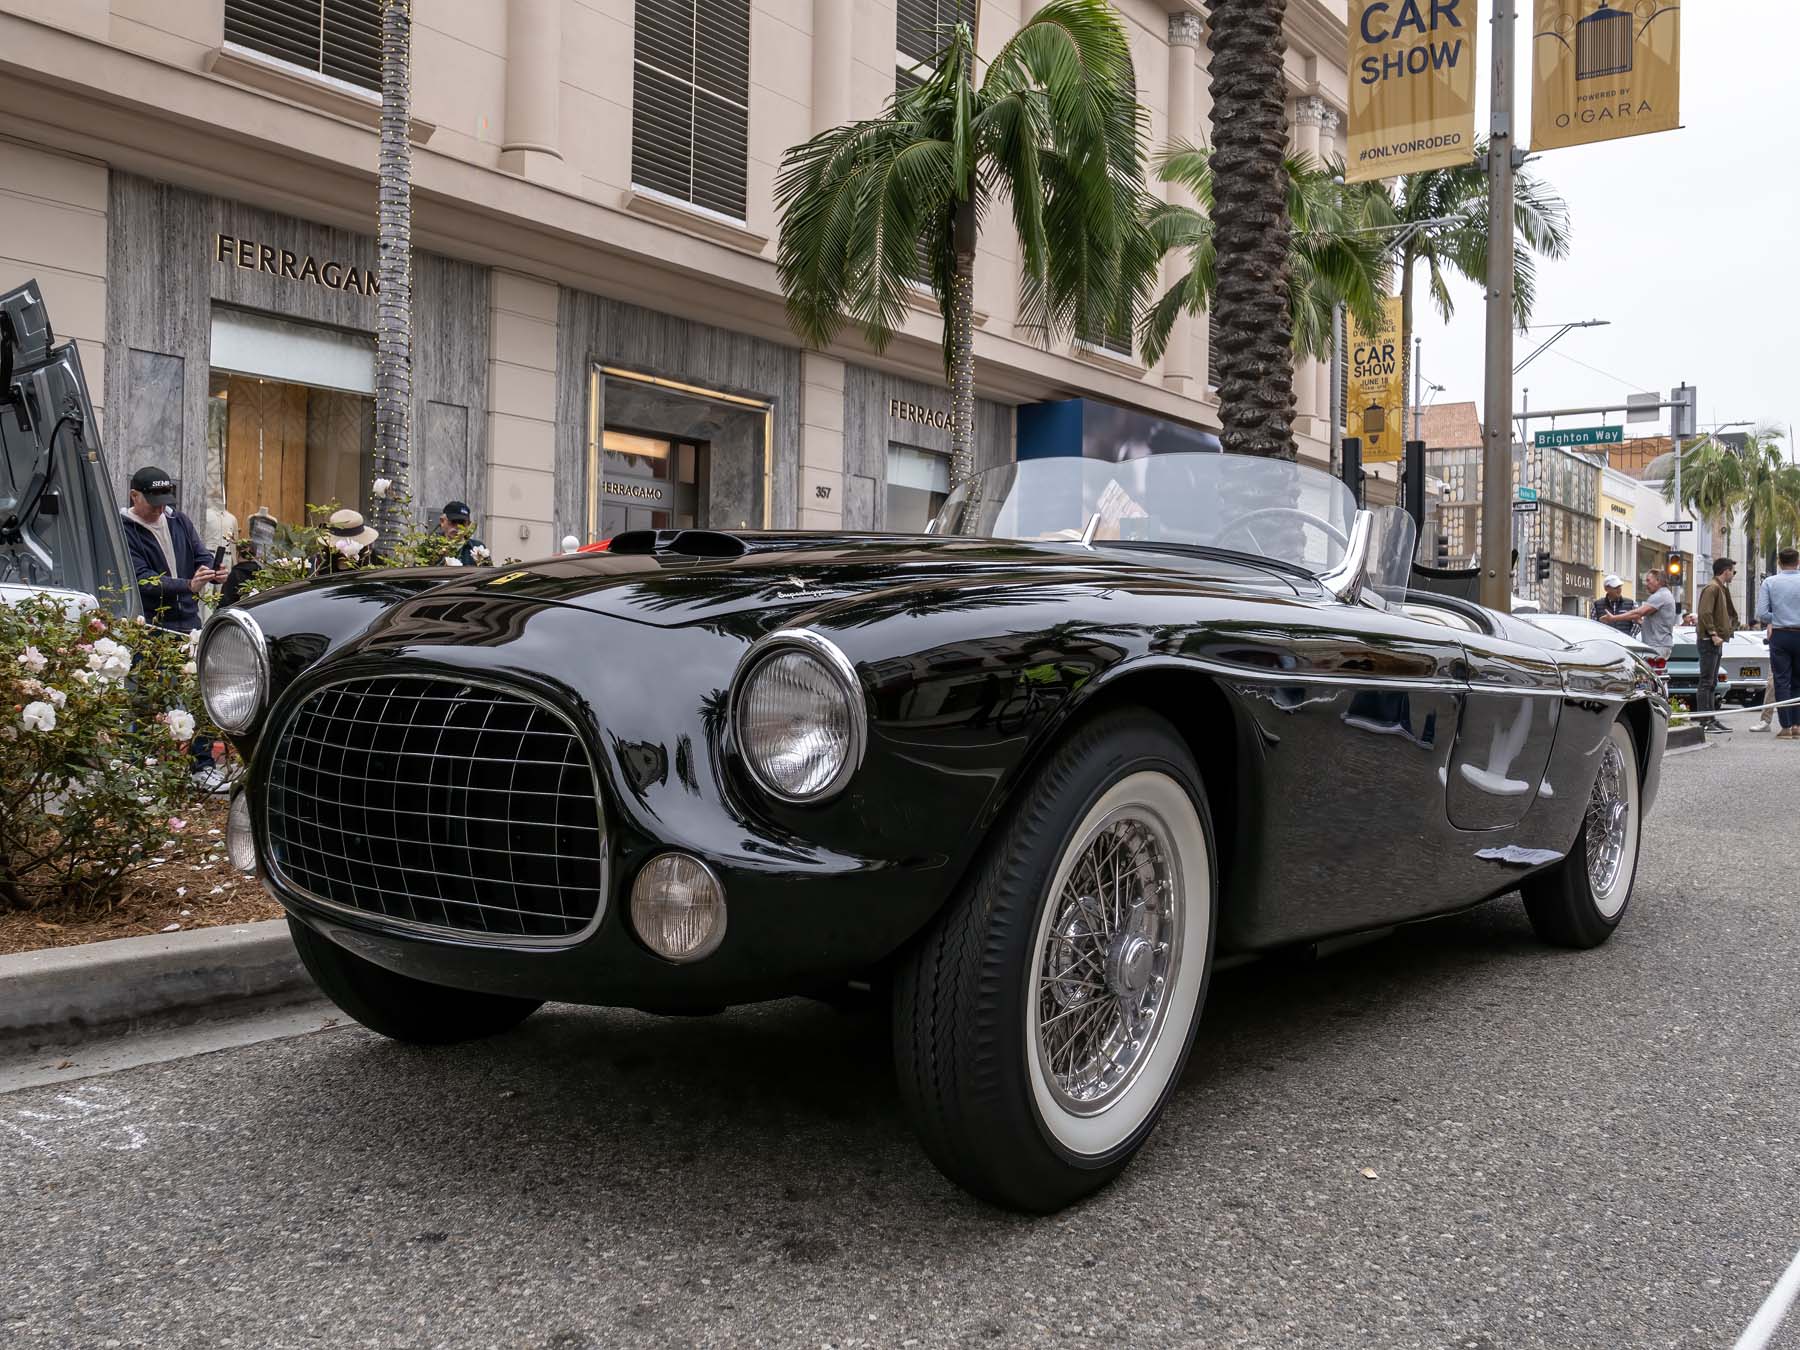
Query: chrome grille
[(438, 801)]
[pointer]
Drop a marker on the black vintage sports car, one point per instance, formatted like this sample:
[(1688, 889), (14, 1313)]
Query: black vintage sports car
[(1033, 772)]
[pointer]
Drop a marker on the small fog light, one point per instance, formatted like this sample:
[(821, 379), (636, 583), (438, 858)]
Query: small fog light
[(240, 846), (678, 907)]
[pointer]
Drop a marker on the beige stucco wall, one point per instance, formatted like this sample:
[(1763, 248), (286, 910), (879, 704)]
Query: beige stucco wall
[(53, 227), (521, 416), (133, 83)]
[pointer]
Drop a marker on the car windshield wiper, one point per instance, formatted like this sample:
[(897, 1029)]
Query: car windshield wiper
[(1207, 551)]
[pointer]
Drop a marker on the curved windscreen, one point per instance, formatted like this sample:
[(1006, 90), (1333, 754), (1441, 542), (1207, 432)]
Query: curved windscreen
[(1268, 508)]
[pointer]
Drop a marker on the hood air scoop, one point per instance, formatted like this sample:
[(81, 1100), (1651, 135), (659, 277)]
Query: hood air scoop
[(689, 543)]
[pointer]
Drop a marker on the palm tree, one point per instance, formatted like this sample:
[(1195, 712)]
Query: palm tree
[(1250, 228), (393, 331), (1053, 127), (1441, 220), (1337, 252)]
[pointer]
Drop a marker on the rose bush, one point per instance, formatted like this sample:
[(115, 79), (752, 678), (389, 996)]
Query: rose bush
[(96, 718)]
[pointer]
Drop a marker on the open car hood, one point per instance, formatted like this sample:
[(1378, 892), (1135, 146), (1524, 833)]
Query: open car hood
[(59, 524)]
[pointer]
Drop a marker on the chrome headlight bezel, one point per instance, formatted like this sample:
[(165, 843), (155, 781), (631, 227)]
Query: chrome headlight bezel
[(259, 648), (831, 659)]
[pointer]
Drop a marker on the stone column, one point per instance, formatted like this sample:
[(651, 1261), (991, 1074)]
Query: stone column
[(533, 87), (1179, 366), (1309, 118), (831, 61)]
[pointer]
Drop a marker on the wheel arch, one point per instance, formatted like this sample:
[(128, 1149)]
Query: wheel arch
[(1203, 715), (1636, 716)]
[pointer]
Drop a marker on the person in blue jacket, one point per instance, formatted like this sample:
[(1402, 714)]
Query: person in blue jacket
[(172, 567)]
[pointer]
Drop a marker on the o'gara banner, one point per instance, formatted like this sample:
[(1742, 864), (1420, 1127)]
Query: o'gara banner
[(1377, 403), (1602, 71), (1412, 86)]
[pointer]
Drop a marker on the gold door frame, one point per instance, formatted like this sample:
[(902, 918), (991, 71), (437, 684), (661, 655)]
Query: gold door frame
[(596, 390)]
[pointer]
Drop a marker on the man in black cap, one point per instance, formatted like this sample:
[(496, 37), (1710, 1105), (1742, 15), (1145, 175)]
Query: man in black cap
[(172, 565), (457, 516)]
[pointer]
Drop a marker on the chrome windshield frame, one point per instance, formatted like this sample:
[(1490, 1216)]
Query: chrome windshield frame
[(1345, 581)]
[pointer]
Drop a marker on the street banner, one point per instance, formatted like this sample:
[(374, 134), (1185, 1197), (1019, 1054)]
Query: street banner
[(1600, 72), (1377, 401), (1412, 86)]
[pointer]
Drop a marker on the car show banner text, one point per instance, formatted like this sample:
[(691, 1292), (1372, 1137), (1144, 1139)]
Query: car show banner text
[(1600, 72), (1412, 86), (1377, 404)]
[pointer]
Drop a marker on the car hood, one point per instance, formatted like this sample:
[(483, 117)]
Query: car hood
[(780, 575)]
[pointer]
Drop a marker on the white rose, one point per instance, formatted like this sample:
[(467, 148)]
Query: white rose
[(189, 668), (83, 677), (38, 716), (56, 696), (382, 486), (480, 553), (181, 724), (33, 660), (110, 660), (452, 562)]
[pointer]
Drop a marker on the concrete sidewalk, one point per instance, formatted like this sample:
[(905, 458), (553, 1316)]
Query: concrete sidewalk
[(64, 996)]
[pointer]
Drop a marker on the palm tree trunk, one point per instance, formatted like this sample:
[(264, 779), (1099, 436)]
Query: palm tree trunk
[(1250, 224), (962, 348), (1406, 332), (393, 333)]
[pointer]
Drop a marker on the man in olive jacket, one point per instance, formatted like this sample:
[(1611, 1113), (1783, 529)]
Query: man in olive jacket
[(1717, 624)]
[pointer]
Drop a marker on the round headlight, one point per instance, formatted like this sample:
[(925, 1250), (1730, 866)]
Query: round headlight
[(234, 671), (678, 907), (800, 720)]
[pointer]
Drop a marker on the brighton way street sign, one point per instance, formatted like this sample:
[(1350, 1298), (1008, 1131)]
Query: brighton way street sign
[(1573, 436)]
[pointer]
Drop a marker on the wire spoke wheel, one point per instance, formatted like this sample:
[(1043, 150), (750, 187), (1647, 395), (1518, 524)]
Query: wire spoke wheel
[(1609, 824), (1103, 972)]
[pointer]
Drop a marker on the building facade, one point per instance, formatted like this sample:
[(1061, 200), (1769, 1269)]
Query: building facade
[(599, 338)]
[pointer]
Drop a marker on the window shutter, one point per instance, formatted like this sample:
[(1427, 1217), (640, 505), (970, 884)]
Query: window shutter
[(1118, 341), (339, 38), (690, 126), (921, 26), (1213, 343)]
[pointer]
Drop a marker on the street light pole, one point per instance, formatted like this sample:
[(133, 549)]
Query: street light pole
[(1496, 462)]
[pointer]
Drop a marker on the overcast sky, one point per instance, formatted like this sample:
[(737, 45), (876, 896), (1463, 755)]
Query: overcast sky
[(1684, 240)]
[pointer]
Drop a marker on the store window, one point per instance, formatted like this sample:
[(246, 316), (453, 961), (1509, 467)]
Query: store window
[(290, 421), (917, 483), (690, 117), (337, 38), (650, 482)]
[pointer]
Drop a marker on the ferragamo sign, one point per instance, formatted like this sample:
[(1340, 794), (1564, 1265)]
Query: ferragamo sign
[(281, 262)]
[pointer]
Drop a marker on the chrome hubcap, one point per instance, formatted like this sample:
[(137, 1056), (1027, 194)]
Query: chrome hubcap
[(1608, 822), (1108, 961)]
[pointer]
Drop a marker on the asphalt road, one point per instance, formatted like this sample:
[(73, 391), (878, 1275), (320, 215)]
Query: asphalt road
[(1597, 1149)]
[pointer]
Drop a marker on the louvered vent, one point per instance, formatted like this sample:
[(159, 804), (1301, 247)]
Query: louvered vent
[(1213, 346), (339, 38), (690, 125), (922, 26), (1115, 340)]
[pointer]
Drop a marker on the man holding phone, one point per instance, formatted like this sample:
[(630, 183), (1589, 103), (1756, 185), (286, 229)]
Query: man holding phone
[(172, 565), (173, 568)]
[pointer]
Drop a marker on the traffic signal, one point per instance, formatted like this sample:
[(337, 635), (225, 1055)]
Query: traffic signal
[(1542, 569), (1673, 570)]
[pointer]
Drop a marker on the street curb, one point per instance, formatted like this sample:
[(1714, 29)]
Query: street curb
[(66, 995), (1682, 737)]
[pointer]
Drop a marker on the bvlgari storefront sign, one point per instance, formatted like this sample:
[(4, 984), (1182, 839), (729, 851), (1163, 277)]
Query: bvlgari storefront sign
[(902, 411), (281, 262)]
